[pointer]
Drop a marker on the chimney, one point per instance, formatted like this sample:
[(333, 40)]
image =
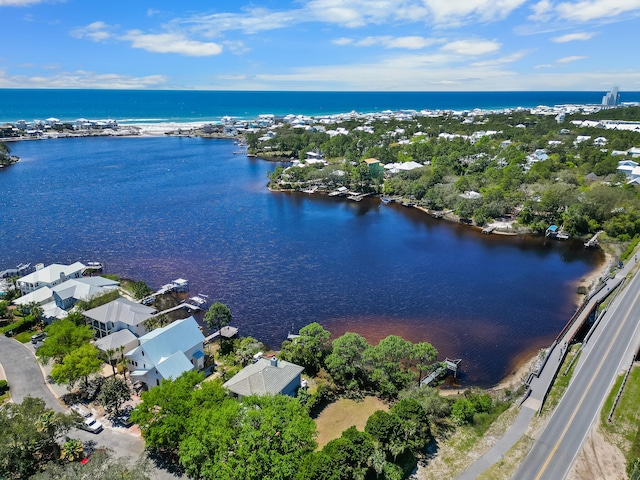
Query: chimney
[(274, 361), (39, 266)]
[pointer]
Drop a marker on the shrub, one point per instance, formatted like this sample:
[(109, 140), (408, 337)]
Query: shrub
[(4, 387)]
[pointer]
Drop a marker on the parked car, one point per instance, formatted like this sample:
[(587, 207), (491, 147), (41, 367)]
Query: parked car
[(92, 425), (38, 337), (80, 410)]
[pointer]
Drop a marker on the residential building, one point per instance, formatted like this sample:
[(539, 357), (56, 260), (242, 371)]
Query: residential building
[(120, 314), (66, 294), (49, 276), (267, 376), (167, 352)]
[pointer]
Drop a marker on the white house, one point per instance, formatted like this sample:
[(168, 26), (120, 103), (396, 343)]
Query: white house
[(49, 276), (68, 293), (120, 314), (267, 376), (626, 167), (167, 352)]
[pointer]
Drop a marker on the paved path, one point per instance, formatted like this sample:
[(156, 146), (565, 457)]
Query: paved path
[(540, 385), (610, 354), (25, 378)]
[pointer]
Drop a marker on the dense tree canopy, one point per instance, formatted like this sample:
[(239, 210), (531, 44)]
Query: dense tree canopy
[(30, 436), (63, 337)]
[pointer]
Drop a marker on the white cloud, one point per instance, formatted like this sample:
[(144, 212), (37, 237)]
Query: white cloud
[(544, 65), (472, 47), (570, 59), (514, 57), (18, 3), (586, 10), (542, 11), (171, 43), (354, 14), (387, 41), (461, 11), (83, 79), (157, 43), (342, 41), (96, 31), (570, 37)]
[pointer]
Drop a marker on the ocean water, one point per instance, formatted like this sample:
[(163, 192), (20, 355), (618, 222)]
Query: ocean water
[(161, 208), (189, 106)]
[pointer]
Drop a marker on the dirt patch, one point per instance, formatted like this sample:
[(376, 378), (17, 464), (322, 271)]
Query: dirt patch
[(598, 459), (336, 417)]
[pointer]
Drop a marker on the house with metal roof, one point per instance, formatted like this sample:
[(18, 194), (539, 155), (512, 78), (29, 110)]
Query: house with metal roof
[(66, 294), (49, 276), (122, 340), (167, 352), (120, 314), (267, 376)]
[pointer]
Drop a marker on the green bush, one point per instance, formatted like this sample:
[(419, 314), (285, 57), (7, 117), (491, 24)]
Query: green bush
[(4, 387)]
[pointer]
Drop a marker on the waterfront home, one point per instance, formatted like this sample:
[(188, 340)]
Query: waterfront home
[(67, 294), (49, 276), (122, 341), (167, 352), (120, 314), (267, 376)]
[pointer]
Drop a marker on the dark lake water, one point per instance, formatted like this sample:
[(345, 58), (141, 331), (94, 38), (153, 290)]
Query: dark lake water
[(161, 208)]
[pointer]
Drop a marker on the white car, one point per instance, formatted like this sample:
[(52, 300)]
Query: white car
[(80, 411), (90, 424)]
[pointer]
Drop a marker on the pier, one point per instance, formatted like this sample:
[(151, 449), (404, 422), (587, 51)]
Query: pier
[(356, 197), (593, 241), (447, 366), (489, 229), (224, 332)]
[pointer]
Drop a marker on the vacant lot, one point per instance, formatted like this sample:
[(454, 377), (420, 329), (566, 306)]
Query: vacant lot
[(336, 417)]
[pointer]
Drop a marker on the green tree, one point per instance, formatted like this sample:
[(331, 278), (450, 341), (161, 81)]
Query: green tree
[(218, 316), (309, 349), (345, 364), (72, 450), (390, 361), (262, 437), (63, 337), (77, 365), (30, 432), (423, 354), (113, 394), (101, 466), (161, 414)]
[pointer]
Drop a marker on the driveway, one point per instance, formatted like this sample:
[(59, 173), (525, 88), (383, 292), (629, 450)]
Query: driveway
[(25, 377)]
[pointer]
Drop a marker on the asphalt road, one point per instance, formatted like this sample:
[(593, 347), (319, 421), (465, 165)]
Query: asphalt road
[(26, 378), (555, 451)]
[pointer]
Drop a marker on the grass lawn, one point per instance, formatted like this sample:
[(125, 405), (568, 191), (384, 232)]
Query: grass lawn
[(336, 417), (626, 418)]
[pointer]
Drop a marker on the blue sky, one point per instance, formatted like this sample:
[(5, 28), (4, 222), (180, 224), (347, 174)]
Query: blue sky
[(344, 45)]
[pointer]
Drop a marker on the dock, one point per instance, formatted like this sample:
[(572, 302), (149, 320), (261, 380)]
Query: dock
[(224, 332), (489, 229), (593, 241), (447, 366), (356, 197), (340, 192)]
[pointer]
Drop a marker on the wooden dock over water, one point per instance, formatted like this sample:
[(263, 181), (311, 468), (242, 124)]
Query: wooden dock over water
[(447, 366)]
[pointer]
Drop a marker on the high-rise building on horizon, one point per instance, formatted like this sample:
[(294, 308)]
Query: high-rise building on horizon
[(612, 98)]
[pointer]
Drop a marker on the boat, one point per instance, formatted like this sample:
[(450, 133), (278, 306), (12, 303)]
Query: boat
[(386, 200)]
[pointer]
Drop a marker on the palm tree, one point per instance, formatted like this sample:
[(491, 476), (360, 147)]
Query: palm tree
[(378, 460), (123, 363), (72, 450), (108, 354)]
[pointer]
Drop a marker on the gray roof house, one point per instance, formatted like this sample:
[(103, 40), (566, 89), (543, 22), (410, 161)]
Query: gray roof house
[(122, 339), (267, 376), (68, 293), (167, 352), (120, 314)]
